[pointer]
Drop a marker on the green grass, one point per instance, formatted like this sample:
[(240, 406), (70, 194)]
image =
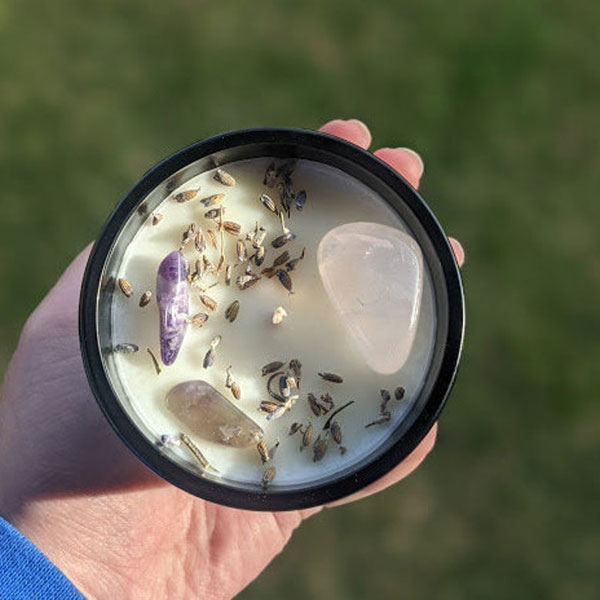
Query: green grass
[(501, 98)]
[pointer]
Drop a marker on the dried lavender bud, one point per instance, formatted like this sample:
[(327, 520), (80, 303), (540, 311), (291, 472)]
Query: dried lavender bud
[(145, 298), (331, 377), (263, 452), (199, 242), (271, 367), (268, 203), (198, 319), (295, 428), (268, 477), (336, 432), (126, 348), (232, 311), (212, 239), (240, 250), (223, 177), (307, 436), (259, 256), (319, 449), (285, 279), (209, 359), (232, 228), (283, 239), (209, 302), (213, 213), (314, 404), (270, 176), (245, 281), (125, 287), (212, 200), (291, 265), (282, 258), (300, 200), (296, 368), (186, 196)]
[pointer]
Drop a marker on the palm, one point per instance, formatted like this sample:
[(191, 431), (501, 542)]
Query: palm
[(81, 472), (115, 528)]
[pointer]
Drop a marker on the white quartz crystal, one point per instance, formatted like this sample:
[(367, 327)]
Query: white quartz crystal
[(373, 275)]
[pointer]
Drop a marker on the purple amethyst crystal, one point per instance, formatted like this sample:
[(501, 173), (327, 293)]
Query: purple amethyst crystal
[(172, 296)]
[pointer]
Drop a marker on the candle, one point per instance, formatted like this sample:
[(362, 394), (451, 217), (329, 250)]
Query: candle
[(270, 332), (271, 324)]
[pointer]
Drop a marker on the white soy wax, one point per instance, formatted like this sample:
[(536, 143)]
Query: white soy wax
[(311, 332)]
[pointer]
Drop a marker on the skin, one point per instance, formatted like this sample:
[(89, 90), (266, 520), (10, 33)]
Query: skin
[(113, 527)]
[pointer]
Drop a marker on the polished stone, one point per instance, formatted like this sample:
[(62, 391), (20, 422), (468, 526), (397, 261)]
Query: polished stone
[(206, 413), (373, 275), (172, 296)]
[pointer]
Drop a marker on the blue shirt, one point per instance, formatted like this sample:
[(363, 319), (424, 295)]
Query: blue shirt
[(26, 574)]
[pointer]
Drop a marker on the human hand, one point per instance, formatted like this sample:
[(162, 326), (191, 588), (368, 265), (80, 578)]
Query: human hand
[(112, 526)]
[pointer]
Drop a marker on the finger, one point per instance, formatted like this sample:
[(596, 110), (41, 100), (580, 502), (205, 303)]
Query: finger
[(404, 469), (404, 160), (351, 130), (65, 293), (458, 250)]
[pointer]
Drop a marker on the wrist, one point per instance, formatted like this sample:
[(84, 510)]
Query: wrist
[(57, 527)]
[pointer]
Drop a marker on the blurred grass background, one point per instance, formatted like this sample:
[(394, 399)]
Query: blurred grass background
[(501, 98)]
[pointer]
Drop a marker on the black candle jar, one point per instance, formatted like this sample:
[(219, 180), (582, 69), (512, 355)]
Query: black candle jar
[(150, 191)]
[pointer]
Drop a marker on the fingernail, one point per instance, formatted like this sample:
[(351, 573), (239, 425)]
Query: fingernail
[(363, 127), (417, 158)]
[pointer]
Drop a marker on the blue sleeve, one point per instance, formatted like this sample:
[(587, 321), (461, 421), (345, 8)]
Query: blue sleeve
[(26, 574)]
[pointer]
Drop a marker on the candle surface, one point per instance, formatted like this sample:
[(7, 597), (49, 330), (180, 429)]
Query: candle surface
[(308, 328)]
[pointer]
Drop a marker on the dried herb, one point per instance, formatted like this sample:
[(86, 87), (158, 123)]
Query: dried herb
[(198, 319), (268, 203), (285, 279), (319, 448), (232, 228), (336, 432), (125, 287), (196, 453), (268, 477), (240, 250), (300, 200), (307, 436), (145, 298), (291, 265), (126, 348), (281, 259), (331, 377), (263, 452), (278, 315), (232, 311), (272, 367), (283, 239), (336, 412), (154, 361), (186, 195), (223, 177), (209, 302)]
